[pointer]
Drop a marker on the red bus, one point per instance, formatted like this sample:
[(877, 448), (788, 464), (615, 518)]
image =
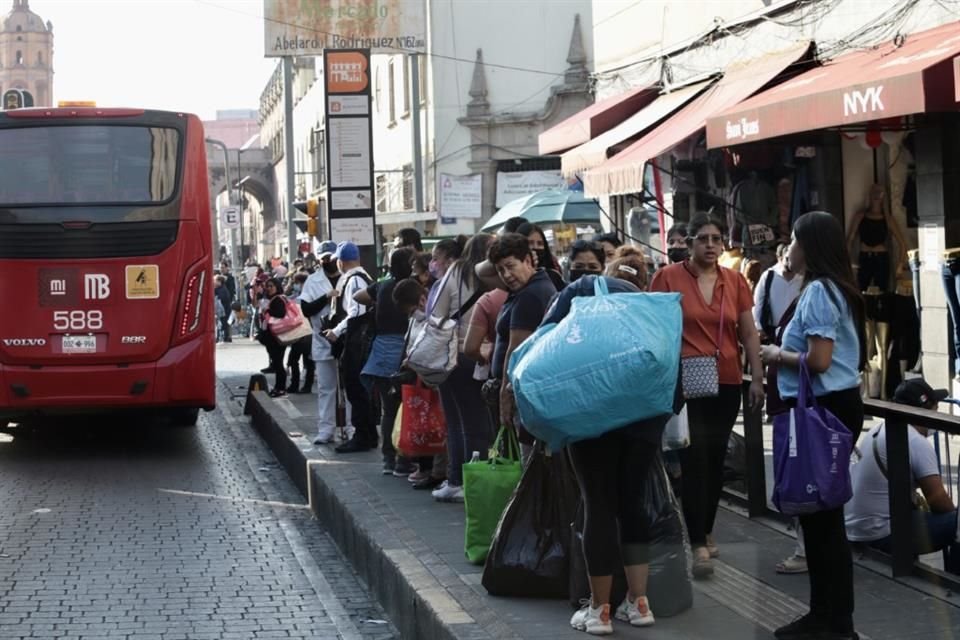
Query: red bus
[(106, 259)]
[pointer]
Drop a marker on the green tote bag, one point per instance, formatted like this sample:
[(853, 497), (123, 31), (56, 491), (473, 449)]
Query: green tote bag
[(487, 487)]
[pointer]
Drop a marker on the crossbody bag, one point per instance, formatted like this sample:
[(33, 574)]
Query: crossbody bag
[(700, 375)]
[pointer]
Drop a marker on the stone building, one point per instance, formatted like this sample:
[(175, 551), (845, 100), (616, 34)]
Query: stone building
[(26, 53)]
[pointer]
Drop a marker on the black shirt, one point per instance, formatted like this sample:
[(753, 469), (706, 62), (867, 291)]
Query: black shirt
[(388, 317), (523, 310)]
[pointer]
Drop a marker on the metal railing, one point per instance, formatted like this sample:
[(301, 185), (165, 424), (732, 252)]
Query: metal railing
[(897, 418)]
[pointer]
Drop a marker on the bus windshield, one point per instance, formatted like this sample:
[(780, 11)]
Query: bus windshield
[(87, 164)]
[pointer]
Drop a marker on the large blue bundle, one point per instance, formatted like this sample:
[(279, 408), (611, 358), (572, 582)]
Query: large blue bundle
[(613, 360)]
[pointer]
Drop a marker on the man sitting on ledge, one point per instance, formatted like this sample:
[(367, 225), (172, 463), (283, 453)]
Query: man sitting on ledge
[(934, 517)]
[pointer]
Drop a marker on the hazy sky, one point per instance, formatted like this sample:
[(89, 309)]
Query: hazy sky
[(188, 55)]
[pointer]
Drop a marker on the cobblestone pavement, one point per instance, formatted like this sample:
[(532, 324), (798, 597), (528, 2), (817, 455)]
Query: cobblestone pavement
[(128, 528)]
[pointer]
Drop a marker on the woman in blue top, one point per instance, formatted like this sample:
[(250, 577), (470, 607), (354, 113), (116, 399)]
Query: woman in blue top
[(826, 328)]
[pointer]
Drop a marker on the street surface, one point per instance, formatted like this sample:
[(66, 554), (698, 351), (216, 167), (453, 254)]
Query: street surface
[(127, 528)]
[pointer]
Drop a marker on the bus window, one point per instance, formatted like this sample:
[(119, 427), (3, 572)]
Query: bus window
[(87, 164)]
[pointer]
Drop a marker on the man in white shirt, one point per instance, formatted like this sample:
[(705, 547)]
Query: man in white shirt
[(867, 514), (353, 280), (776, 291), (315, 300)]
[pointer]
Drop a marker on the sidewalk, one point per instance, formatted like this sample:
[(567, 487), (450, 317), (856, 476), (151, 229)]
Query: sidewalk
[(409, 549)]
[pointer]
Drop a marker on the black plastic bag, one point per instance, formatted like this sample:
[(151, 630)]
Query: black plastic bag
[(530, 554), (670, 585)]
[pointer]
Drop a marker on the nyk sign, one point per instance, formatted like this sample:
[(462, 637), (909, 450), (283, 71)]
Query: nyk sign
[(858, 103)]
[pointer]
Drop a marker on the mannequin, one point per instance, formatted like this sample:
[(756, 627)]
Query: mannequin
[(870, 233)]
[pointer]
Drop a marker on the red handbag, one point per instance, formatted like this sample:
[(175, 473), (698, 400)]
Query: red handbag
[(423, 429), (292, 319)]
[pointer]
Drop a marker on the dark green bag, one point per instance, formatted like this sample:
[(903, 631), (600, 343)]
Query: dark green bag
[(487, 487)]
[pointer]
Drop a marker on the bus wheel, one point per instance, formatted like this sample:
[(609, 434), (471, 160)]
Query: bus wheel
[(184, 417)]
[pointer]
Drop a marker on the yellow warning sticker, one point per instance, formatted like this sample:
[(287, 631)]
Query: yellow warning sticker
[(143, 281)]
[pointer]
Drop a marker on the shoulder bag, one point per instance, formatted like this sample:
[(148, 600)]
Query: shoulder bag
[(432, 352), (701, 374)]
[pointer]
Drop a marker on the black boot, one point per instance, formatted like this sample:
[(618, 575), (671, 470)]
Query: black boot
[(294, 386)]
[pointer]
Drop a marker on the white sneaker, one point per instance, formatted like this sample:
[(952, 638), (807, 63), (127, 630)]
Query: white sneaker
[(448, 493), (596, 622), (637, 613)]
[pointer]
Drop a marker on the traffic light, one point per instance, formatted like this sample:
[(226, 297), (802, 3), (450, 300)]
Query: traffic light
[(310, 207), (17, 99)]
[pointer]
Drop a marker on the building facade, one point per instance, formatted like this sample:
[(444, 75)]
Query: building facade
[(494, 76), (26, 53)]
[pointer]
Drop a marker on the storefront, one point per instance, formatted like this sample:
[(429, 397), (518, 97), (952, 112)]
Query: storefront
[(891, 113)]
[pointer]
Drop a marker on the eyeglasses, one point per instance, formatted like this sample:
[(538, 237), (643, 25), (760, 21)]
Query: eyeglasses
[(709, 238)]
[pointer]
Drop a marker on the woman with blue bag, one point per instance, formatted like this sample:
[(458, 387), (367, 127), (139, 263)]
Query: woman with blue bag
[(823, 341), (611, 470)]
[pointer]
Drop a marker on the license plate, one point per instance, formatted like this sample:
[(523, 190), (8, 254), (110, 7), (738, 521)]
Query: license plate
[(79, 344)]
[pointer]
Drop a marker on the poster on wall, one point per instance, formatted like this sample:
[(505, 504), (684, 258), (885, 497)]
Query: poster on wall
[(297, 28), (461, 196), (349, 166), (517, 184)]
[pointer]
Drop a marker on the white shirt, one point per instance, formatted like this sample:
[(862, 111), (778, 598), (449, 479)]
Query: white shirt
[(317, 286), (348, 286), (782, 294), (867, 514)]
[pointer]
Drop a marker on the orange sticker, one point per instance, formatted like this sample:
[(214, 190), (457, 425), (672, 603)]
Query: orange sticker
[(347, 72)]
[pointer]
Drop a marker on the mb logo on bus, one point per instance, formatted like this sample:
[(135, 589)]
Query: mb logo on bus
[(96, 286)]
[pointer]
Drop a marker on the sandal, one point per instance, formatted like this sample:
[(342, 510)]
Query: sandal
[(702, 563), (712, 547), (793, 564)]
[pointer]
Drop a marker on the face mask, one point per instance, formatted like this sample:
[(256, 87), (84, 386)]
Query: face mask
[(297, 288), (678, 254), (576, 274), (543, 256), (435, 269)]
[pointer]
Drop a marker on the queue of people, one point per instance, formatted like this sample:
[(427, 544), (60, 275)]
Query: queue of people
[(499, 289)]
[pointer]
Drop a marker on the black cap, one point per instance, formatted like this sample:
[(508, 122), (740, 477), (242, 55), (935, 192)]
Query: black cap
[(916, 392)]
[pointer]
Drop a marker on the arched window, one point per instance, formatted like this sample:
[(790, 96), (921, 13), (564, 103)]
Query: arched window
[(19, 57), (19, 28)]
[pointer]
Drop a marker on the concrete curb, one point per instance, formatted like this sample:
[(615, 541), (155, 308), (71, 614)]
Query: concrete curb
[(423, 597)]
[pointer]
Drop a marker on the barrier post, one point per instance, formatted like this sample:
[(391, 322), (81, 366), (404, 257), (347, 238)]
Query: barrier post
[(898, 465)]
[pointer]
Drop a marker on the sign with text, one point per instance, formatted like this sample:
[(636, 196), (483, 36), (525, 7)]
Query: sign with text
[(230, 217), (350, 207), (517, 184), (297, 28), (461, 196)]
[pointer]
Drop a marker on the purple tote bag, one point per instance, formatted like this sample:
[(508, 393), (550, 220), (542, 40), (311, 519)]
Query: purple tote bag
[(811, 456)]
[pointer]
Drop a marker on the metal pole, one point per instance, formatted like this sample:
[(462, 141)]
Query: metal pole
[(415, 119), (240, 204), (288, 154), (226, 178)]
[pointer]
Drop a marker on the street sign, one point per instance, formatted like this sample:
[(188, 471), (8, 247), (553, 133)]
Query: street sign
[(230, 217)]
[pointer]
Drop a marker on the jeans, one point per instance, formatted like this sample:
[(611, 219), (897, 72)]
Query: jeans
[(931, 532), (951, 287), (225, 329), (915, 275), (711, 421), (468, 421), (389, 406), (275, 351), (829, 559)]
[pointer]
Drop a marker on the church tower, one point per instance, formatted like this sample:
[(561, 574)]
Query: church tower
[(26, 53)]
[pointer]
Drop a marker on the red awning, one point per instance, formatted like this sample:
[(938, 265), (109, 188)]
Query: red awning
[(885, 82), (595, 152), (594, 120), (623, 173)]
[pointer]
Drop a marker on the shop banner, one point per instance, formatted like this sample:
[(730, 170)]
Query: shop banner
[(461, 196), (351, 214), (297, 28), (517, 184)]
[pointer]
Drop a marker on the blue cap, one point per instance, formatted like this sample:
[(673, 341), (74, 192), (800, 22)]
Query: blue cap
[(327, 246), (348, 252)]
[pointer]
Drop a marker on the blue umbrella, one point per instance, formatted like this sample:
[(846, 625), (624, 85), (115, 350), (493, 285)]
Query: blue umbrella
[(545, 207)]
